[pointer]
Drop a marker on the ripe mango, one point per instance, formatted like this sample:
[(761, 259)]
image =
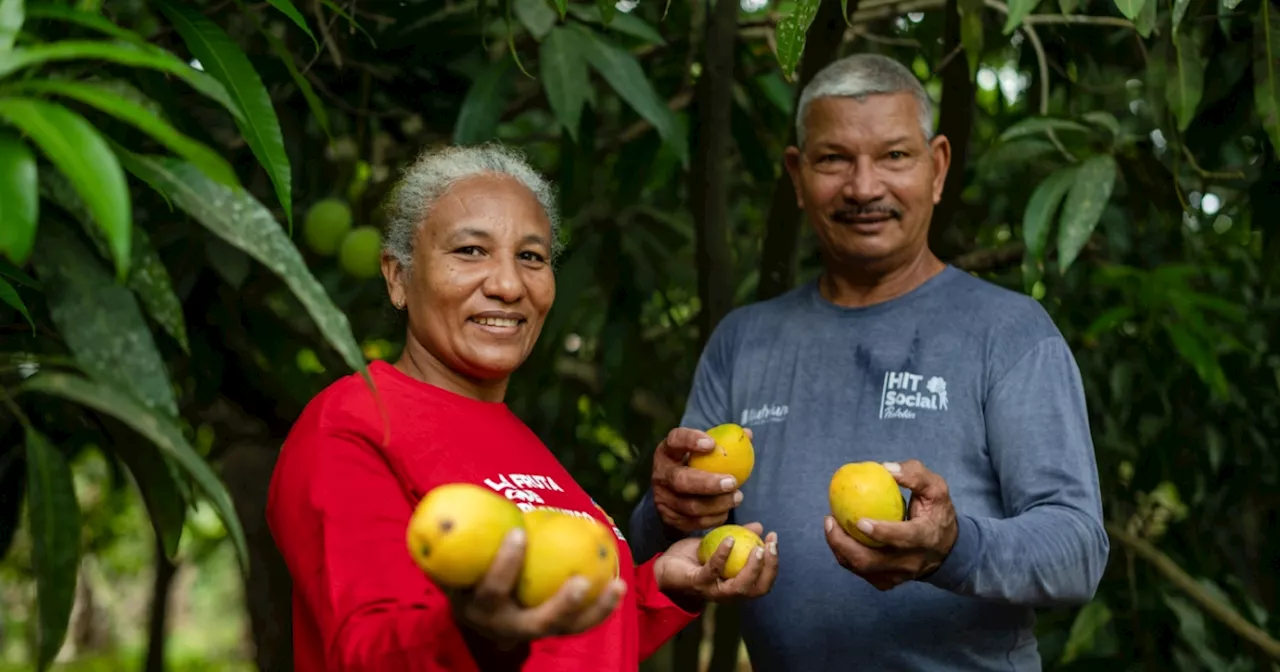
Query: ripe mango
[(560, 546), (745, 543), (733, 455), (865, 490), (456, 530)]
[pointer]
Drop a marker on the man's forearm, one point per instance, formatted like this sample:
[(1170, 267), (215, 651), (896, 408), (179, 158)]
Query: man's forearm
[(1047, 556)]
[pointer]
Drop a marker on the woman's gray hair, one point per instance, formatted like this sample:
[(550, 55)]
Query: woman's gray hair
[(861, 75), (425, 180)]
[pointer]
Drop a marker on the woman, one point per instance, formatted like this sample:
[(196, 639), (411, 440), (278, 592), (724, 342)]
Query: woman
[(469, 246)]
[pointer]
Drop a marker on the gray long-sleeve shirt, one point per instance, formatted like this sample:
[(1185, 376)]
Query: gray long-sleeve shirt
[(973, 380)]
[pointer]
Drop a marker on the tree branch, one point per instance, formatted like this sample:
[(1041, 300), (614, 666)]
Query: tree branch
[(1184, 581)]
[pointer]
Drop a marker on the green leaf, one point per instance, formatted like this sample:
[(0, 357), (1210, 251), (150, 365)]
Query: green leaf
[(99, 319), (791, 33), (536, 15), (148, 277), (1266, 71), (1197, 354), (1084, 630), (628, 24), (1035, 125), (11, 17), (109, 99), (1068, 6), (234, 216), (352, 24), (76, 148), (1103, 119), (563, 62), (1108, 321), (8, 270), (54, 517), (1037, 219), (1184, 90), (318, 109), (156, 476), (1131, 8), (90, 20), (161, 431), (561, 6), (844, 11), (622, 71), (1095, 179), (1146, 21), (10, 296), (1018, 10), (223, 59), (482, 108), (286, 7), (608, 8), (121, 54), (1179, 11), (971, 32), (19, 203)]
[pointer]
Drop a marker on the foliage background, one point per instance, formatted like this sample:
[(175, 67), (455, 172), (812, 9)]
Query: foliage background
[(165, 320)]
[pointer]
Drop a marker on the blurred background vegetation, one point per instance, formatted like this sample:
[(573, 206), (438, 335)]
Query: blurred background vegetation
[(172, 295)]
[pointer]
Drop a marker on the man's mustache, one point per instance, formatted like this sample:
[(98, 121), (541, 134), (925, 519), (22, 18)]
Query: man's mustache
[(848, 213)]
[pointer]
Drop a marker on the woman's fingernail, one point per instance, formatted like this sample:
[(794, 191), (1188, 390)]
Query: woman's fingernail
[(828, 524), (517, 536), (728, 483), (759, 552), (773, 547), (866, 526), (737, 497), (728, 541), (706, 443), (577, 588), (893, 467)]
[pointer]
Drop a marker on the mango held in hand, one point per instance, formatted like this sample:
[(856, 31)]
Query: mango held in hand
[(560, 546), (865, 490), (733, 454), (745, 542), (456, 530)]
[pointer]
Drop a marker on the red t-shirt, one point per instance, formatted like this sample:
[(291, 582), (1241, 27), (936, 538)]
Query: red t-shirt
[(340, 503)]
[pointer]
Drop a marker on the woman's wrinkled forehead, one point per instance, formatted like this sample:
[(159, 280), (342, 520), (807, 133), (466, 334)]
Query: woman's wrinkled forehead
[(486, 206)]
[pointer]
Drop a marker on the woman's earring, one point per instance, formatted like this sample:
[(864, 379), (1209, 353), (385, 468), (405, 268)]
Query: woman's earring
[(400, 304)]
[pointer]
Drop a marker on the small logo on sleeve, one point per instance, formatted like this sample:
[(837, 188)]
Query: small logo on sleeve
[(904, 394)]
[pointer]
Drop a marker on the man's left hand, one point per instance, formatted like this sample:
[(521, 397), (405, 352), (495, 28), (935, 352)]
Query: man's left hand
[(913, 548)]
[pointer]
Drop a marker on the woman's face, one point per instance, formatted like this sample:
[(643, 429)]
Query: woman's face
[(481, 283)]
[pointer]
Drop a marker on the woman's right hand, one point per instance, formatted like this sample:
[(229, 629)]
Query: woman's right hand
[(491, 610)]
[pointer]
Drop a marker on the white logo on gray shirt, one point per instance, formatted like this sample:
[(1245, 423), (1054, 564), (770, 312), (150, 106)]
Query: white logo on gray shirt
[(902, 394)]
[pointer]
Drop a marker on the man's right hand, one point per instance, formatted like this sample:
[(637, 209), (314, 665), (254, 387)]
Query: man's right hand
[(690, 499)]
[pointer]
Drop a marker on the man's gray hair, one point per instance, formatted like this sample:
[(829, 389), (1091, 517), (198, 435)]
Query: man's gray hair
[(429, 177), (861, 75)]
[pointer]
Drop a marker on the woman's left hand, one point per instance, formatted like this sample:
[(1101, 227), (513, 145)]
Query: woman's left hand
[(678, 570)]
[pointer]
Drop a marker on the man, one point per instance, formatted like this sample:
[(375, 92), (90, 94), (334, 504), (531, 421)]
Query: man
[(966, 391)]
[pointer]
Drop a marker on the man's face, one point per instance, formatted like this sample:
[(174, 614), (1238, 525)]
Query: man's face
[(867, 178)]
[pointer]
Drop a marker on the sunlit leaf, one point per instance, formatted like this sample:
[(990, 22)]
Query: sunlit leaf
[(161, 431), (563, 62), (122, 54), (791, 33), (54, 516), (1034, 125), (19, 203), (148, 277), (1042, 207), (1266, 71), (234, 216), (9, 295), (1095, 179), (1145, 24), (108, 99), (1093, 617), (286, 7), (76, 148), (1131, 8), (223, 59), (318, 109), (11, 17), (1018, 10), (622, 71), (482, 108)]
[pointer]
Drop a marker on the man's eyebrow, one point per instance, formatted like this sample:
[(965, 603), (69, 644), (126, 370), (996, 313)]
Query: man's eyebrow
[(534, 239), (469, 232), (897, 140)]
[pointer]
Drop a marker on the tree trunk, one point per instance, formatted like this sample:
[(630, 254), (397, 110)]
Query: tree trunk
[(955, 122), (157, 630)]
